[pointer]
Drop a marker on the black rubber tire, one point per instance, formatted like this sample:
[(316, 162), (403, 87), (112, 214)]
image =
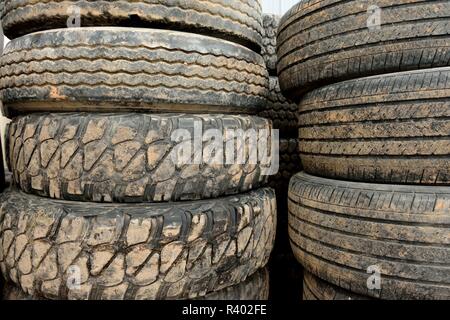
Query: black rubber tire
[(139, 251), (269, 42), (315, 288), (129, 157), (391, 128), (2, 168), (237, 21), (340, 230), (282, 112), (324, 41), (255, 287), (112, 69)]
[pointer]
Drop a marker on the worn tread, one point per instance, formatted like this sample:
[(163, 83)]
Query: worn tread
[(325, 41), (339, 229), (111, 69), (139, 251), (269, 42), (390, 128), (129, 157), (237, 21), (315, 288)]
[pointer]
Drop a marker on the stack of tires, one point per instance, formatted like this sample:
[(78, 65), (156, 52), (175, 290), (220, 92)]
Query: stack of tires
[(102, 205), (370, 216), (283, 113)]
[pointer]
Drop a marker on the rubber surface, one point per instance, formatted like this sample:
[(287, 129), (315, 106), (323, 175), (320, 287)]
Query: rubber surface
[(238, 21), (101, 69), (133, 157), (390, 128), (140, 251), (255, 287), (324, 41), (269, 47), (282, 112), (345, 232), (315, 288), (2, 168)]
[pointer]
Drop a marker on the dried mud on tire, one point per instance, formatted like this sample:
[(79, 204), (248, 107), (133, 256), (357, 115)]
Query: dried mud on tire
[(139, 251), (237, 21), (391, 128), (132, 157), (321, 42), (132, 69), (339, 230)]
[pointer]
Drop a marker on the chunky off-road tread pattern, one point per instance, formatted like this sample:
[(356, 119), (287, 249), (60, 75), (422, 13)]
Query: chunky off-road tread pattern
[(315, 288), (2, 169), (391, 129), (255, 287), (324, 41), (282, 112), (139, 251), (238, 21), (269, 42), (345, 232), (133, 157), (99, 69)]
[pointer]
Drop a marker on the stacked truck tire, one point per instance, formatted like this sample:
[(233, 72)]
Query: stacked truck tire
[(369, 218), (99, 207)]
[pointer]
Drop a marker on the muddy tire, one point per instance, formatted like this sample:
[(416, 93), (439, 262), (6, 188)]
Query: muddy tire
[(139, 251), (238, 21), (130, 157), (315, 288), (321, 42), (112, 69), (345, 232), (390, 129), (255, 287), (282, 112), (269, 44)]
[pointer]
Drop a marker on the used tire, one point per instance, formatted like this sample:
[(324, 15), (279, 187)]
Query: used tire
[(111, 69), (139, 251), (282, 112), (269, 42), (238, 21), (130, 157), (255, 287), (2, 168), (315, 288), (320, 42), (391, 128), (347, 232)]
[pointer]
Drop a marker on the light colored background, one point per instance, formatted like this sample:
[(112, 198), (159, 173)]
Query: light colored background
[(269, 6)]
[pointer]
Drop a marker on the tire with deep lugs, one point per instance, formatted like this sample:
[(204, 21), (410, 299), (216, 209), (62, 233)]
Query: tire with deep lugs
[(390, 128), (351, 234), (324, 41), (136, 157), (269, 47), (238, 21), (112, 69), (138, 251)]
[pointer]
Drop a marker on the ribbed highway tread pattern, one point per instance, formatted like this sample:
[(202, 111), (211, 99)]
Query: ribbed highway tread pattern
[(269, 44), (315, 288), (238, 21), (390, 128), (339, 230), (131, 252), (324, 41), (282, 112), (133, 157), (130, 69)]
